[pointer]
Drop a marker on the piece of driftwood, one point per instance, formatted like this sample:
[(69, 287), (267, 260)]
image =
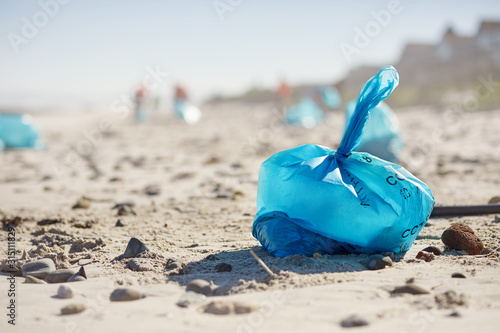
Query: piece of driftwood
[(465, 210)]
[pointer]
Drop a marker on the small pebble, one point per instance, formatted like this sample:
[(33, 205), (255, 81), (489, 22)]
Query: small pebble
[(59, 275), (82, 203), (427, 256), (461, 237), (200, 286), (32, 279), (72, 309), (152, 190), (134, 247), (354, 321), (410, 288), (39, 268), (389, 254), (125, 294), (378, 261), (65, 291), (119, 224), (433, 249), (458, 275), (173, 264), (190, 298), (140, 265), (125, 211), (494, 200), (76, 278), (227, 307), (455, 314), (223, 267)]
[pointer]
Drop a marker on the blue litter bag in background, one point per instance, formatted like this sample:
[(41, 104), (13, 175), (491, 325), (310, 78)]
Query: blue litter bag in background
[(381, 135), (305, 114), (330, 97), (315, 199), (18, 131), (187, 111)]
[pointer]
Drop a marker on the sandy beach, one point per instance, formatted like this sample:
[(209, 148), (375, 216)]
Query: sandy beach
[(192, 192)]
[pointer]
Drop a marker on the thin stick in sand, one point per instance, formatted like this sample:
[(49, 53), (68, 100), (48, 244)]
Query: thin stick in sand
[(263, 264)]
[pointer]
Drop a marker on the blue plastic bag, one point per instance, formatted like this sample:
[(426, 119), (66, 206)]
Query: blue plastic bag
[(315, 199), (381, 135), (305, 114), (330, 97), (187, 111), (18, 131)]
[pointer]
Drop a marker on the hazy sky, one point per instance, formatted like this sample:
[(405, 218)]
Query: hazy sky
[(93, 51)]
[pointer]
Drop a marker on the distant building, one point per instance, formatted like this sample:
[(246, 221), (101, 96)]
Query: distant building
[(456, 62)]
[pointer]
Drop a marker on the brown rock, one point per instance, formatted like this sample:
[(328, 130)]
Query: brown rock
[(461, 237), (427, 256)]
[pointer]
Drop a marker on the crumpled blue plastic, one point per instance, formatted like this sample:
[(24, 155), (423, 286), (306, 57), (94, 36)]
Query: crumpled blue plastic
[(187, 111), (381, 135), (19, 131), (305, 114), (330, 97), (314, 199)]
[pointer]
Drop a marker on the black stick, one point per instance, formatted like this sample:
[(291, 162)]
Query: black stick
[(465, 210)]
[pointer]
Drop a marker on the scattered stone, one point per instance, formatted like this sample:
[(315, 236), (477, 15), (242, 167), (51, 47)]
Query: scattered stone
[(32, 279), (200, 286), (119, 224), (433, 249), (223, 267), (190, 298), (123, 204), (461, 237), (410, 288), (390, 255), (50, 221), (115, 179), (378, 261), (354, 321), (427, 256), (39, 268), (152, 189), (59, 275), (140, 265), (79, 276), (455, 314), (227, 307), (13, 222), (173, 264), (82, 203), (125, 211), (65, 291), (450, 299), (494, 200), (317, 255), (212, 160), (222, 290), (134, 247), (458, 275), (125, 294), (212, 257), (72, 309), (85, 225), (76, 278)]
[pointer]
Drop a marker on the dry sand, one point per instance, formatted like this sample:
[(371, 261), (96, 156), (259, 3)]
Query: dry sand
[(205, 177)]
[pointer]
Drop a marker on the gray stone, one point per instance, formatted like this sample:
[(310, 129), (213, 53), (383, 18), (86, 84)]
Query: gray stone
[(39, 268), (458, 276), (378, 261), (125, 294), (59, 275), (173, 264), (72, 309), (190, 298), (134, 247), (223, 267), (354, 321), (410, 288), (140, 265), (65, 291), (76, 278), (229, 307), (200, 286), (32, 279)]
